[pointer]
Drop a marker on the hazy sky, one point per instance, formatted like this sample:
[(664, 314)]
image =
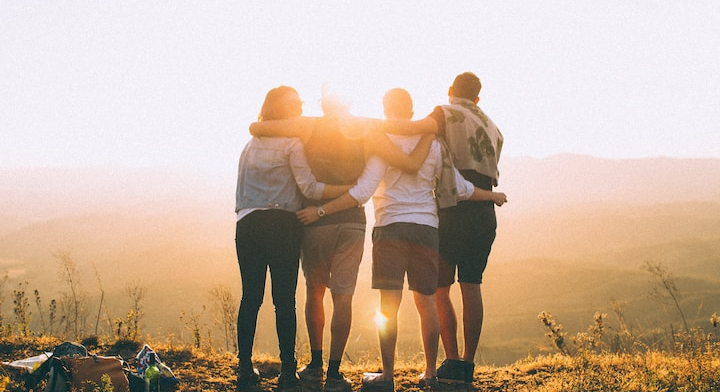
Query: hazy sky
[(175, 83)]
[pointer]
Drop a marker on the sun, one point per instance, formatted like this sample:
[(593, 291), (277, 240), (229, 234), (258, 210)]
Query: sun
[(380, 320)]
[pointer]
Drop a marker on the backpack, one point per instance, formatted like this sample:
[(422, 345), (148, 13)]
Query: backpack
[(65, 349), (70, 368), (76, 373)]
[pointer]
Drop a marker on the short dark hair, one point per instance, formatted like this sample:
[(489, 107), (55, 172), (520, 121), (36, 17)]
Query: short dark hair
[(466, 85), (397, 102)]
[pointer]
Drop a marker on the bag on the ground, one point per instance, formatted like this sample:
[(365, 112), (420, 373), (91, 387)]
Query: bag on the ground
[(89, 373), (65, 349), (168, 381)]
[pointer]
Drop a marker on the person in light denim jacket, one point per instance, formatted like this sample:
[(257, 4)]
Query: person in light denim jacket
[(273, 176)]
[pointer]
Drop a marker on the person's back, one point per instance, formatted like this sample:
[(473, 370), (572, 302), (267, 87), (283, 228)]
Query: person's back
[(272, 172), (334, 157), (468, 230), (474, 141), (404, 197), (405, 242), (265, 177)]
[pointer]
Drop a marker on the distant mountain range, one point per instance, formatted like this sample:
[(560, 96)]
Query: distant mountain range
[(530, 183), (568, 179)]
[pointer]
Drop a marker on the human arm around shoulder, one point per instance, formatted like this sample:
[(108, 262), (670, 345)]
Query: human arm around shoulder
[(408, 127), (299, 127), (311, 214), (380, 145), (356, 196)]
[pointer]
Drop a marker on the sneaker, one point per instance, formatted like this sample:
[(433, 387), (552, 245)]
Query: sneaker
[(371, 383), (469, 372), (427, 382), (452, 371), (247, 379), (288, 381), (335, 384), (311, 374)]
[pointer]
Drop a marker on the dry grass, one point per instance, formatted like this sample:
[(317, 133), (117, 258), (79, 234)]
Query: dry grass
[(652, 371)]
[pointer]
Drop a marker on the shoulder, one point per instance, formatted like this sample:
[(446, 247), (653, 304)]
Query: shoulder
[(438, 114), (277, 143)]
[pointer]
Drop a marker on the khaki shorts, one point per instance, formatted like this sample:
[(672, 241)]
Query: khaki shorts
[(331, 255)]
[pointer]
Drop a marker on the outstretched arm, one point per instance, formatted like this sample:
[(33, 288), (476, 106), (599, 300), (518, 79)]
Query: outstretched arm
[(300, 127), (408, 127), (333, 191), (310, 214)]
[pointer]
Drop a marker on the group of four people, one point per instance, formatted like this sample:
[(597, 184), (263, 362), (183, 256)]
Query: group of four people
[(318, 172)]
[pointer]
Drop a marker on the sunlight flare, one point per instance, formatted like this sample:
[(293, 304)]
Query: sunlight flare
[(380, 320)]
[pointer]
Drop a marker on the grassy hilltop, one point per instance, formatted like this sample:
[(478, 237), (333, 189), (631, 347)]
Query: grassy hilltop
[(692, 365)]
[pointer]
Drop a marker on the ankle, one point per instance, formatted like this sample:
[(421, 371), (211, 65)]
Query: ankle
[(288, 367)]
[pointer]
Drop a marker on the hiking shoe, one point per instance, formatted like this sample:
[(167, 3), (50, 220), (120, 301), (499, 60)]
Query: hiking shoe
[(288, 381), (469, 372), (247, 379), (311, 374), (427, 382), (371, 383), (452, 371), (335, 384)]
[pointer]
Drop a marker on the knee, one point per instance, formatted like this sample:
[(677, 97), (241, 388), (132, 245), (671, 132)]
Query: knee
[(342, 300), (284, 304), (250, 303)]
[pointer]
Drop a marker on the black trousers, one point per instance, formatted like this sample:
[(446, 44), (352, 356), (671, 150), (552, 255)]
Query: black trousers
[(268, 239)]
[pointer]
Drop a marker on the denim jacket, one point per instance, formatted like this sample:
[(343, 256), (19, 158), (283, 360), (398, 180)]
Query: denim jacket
[(274, 173)]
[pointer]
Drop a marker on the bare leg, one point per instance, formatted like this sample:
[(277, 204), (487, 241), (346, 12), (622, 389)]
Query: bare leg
[(315, 315), (340, 325), (448, 322), (430, 328), (387, 333), (472, 318)]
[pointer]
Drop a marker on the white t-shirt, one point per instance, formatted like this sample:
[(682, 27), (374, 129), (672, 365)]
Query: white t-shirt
[(403, 197)]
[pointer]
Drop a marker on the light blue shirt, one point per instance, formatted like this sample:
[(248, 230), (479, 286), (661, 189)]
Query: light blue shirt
[(274, 173)]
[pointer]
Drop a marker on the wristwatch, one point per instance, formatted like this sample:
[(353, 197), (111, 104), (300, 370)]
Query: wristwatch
[(321, 211)]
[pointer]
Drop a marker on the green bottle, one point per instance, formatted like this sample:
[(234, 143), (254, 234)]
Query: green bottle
[(152, 376)]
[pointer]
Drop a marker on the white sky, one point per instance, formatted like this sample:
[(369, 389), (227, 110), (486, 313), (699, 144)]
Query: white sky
[(175, 83)]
